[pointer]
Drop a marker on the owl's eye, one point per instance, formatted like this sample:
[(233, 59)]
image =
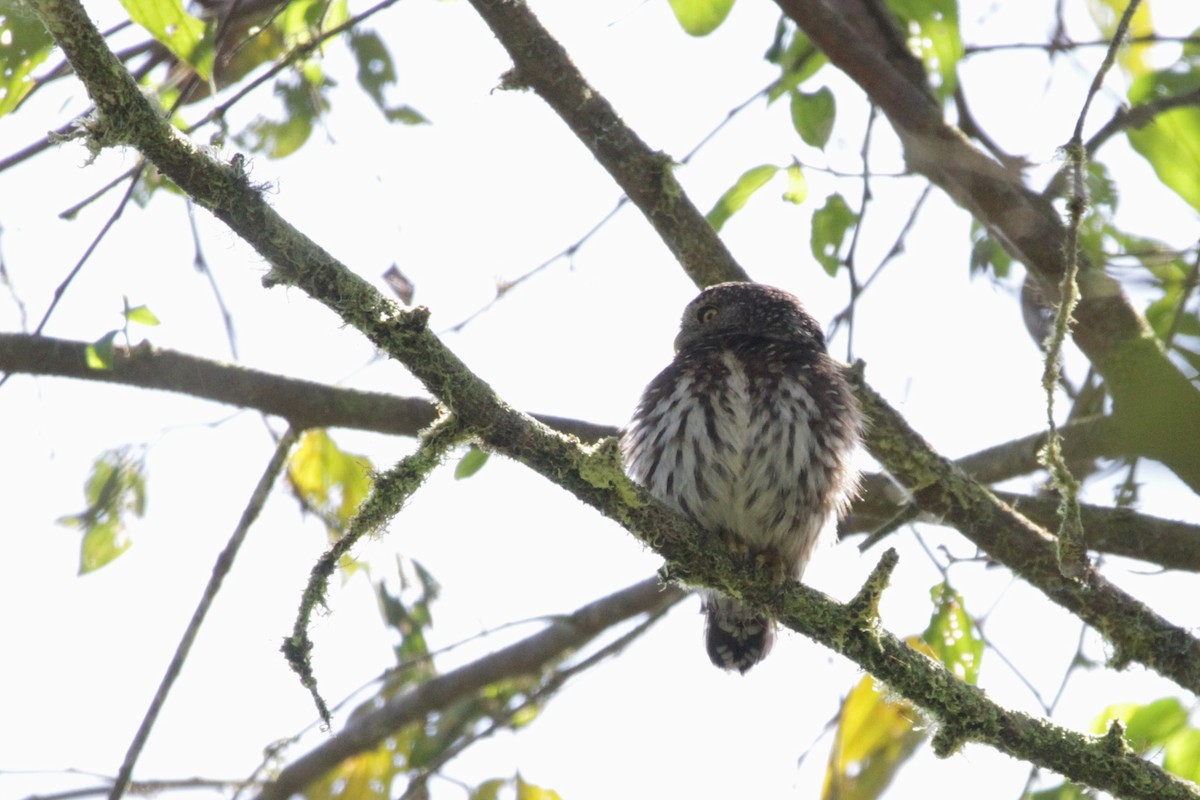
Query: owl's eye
[(706, 313)]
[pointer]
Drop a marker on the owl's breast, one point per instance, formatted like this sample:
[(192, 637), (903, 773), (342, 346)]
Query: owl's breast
[(731, 441)]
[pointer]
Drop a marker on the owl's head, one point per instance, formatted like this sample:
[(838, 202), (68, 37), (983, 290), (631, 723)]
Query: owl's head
[(746, 309)]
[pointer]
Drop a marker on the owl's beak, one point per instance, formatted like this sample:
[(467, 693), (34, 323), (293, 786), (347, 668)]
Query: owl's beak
[(677, 344)]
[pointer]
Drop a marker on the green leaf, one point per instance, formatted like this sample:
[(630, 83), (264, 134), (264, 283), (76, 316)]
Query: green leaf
[(701, 17), (1151, 725), (376, 72), (1146, 726), (115, 488), (141, 315), (471, 463), (797, 57), (830, 223), (736, 196), (1121, 711), (304, 100), (180, 32), (813, 115), (409, 612), (1064, 791), (102, 544), (99, 354), (489, 789), (1182, 756), (24, 43), (933, 37), (951, 634), (797, 186), (365, 776), (1171, 143), (987, 253)]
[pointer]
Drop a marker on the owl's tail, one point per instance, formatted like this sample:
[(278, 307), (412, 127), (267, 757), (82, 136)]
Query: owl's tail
[(737, 637)]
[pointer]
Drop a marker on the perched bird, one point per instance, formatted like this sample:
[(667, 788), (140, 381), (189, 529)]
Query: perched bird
[(748, 431)]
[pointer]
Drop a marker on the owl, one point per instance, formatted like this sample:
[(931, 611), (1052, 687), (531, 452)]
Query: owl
[(749, 432)]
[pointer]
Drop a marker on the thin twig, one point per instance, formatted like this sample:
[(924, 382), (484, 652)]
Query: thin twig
[(504, 287), (1072, 549), (551, 685), (220, 569), (851, 260)]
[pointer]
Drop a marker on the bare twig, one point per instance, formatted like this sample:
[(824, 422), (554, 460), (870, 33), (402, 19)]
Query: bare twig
[(221, 568), (596, 476), (527, 656)]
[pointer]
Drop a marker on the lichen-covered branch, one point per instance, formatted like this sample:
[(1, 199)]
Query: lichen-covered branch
[(304, 404), (596, 475), (645, 175), (390, 491), (307, 404), (941, 488), (861, 38), (529, 655)]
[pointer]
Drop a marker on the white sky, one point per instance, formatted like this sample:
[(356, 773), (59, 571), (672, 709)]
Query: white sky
[(494, 186)]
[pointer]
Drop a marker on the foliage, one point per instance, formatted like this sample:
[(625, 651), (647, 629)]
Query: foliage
[(115, 489), (222, 55)]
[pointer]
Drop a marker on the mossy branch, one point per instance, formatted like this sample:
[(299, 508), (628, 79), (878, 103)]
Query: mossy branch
[(296, 260), (308, 404), (860, 38), (941, 488), (390, 491)]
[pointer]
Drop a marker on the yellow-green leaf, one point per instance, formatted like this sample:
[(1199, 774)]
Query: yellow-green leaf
[(99, 354), (141, 315), (933, 37), (328, 478), (115, 487), (1171, 143), (830, 223), (489, 789), (1153, 723), (1182, 755), (471, 463), (701, 17), (1106, 14), (875, 736), (797, 185), (951, 634), (813, 114), (102, 543), (178, 31), (366, 776), (736, 196), (24, 43), (528, 791), (1121, 711)]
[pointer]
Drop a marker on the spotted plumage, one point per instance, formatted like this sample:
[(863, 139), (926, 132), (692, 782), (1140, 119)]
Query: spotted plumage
[(748, 431)]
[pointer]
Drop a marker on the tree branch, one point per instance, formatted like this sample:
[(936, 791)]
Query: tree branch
[(941, 488), (645, 175), (860, 38), (529, 656), (1122, 531), (220, 569), (596, 476), (304, 404)]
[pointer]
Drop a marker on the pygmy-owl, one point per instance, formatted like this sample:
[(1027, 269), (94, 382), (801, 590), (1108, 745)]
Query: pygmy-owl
[(748, 432)]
